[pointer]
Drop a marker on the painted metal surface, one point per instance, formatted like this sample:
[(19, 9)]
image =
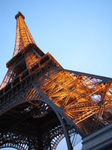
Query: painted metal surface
[(41, 102)]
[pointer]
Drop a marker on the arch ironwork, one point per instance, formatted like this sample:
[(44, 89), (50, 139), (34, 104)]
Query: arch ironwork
[(62, 130)]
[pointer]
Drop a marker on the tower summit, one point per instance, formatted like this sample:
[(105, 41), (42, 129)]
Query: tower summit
[(19, 14), (23, 36)]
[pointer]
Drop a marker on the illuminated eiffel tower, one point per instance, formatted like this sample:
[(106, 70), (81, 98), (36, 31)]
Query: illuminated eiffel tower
[(41, 102)]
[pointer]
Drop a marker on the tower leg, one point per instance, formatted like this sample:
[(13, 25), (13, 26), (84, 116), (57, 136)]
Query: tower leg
[(69, 145), (48, 101)]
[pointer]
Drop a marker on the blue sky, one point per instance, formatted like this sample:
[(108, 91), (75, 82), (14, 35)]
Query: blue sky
[(77, 33)]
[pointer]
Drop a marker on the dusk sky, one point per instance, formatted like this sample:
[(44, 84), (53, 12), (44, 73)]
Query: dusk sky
[(77, 33)]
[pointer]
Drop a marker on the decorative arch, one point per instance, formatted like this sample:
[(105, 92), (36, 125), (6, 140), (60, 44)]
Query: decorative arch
[(45, 100), (13, 145)]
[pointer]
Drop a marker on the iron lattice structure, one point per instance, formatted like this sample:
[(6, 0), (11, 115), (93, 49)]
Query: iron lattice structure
[(41, 102)]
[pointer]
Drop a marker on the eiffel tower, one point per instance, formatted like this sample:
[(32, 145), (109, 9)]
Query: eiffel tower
[(41, 102)]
